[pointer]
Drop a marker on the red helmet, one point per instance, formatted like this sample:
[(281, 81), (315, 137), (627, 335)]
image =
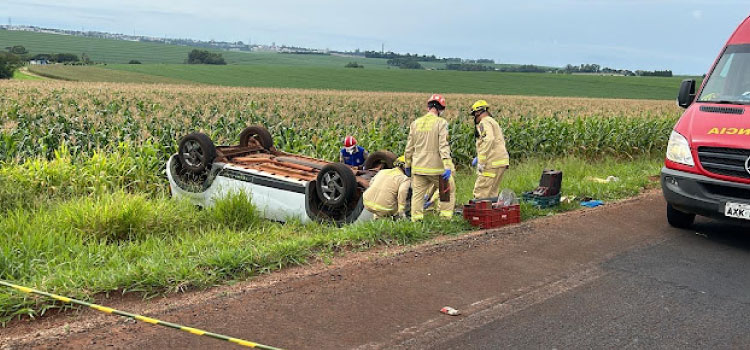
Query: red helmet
[(437, 98), (350, 141)]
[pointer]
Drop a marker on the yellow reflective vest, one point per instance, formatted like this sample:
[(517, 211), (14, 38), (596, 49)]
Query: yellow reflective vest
[(427, 149), (491, 152), (387, 192)]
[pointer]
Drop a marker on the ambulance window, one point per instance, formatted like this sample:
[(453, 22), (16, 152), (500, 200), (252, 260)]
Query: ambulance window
[(728, 64), (730, 80)]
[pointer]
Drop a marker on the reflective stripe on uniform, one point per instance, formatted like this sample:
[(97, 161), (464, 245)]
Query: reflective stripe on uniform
[(417, 217), (482, 157), (428, 171), (446, 213), (376, 206), (501, 162), (487, 174), (401, 208)]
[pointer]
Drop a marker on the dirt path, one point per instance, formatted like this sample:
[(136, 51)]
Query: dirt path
[(25, 70), (380, 299)]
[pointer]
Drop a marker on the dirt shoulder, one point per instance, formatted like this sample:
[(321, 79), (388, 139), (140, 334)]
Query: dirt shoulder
[(375, 299)]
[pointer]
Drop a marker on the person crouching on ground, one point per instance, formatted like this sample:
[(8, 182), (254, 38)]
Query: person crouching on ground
[(387, 194)]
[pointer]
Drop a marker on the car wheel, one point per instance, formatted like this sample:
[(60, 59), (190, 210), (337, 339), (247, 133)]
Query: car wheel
[(258, 133), (196, 152), (336, 184), (678, 218), (384, 159)]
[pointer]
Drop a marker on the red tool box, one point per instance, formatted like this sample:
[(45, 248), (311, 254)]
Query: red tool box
[(486, 214)]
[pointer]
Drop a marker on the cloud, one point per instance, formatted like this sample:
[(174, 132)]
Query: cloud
[(697, 14)]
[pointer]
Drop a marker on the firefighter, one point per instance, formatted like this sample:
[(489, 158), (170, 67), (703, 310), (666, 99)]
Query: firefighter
[(388, 192), (492, 157), (352, 154), (428, 158)]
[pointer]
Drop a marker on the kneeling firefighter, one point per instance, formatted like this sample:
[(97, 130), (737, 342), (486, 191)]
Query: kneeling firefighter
[(492, 157), (388, 191)]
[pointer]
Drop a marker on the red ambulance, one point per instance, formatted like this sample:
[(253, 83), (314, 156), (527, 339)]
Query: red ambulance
[(707, 166)]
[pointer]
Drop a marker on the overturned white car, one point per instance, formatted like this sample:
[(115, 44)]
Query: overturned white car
[(282, 186)]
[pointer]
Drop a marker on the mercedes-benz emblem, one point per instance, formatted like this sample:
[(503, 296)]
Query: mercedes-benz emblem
[(747, 165)]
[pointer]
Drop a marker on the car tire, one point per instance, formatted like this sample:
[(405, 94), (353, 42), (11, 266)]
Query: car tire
[(196, 152), (259, 133), (335, 184), (678, 218), (386, 158)]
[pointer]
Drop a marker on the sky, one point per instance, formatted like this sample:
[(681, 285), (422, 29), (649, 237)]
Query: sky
[(682, 35)]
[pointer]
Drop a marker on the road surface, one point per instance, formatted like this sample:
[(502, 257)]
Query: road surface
[(611, 277)]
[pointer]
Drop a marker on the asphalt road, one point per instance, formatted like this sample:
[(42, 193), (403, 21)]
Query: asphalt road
[(610, 277), (689, 291)]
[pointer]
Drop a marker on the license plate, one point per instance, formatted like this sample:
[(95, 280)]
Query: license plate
[(737, 210)]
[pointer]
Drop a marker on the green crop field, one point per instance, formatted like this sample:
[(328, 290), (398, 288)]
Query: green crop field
[(164, 64), (121, 51), (496, 83), (101, 74)]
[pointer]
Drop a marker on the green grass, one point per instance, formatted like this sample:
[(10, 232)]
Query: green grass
[(108, 241), (318, 77), (18, 75), (100, 74)]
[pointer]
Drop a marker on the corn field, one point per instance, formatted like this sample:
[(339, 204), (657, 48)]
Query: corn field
[(38, 118)]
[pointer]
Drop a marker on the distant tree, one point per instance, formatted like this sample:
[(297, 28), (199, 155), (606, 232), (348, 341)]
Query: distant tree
[(473, 67), (8, 64), (656, 73), (85, 58), (18, 50), (41, 56), (64, 58), (524, 68), (404, 63), (205, 57), (134, 62), (354, 65)]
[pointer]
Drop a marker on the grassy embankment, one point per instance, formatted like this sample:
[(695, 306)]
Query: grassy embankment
[(133, 242), (85, 207)]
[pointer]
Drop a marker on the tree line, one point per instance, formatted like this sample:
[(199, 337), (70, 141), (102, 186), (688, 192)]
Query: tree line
[(205, 57), (595, 68)]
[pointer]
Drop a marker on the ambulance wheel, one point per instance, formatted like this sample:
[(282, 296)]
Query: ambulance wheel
[(679, 219), (258, 133), (196, 152), (336, 184), (384, 159)]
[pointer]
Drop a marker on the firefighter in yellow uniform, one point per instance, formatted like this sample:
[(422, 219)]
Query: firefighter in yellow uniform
[(387, 194), (428, 158), (492, 158)]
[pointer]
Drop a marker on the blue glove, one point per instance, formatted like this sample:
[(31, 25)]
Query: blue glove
[(447, 174), (474, 161), (407, 171), (427, 201)]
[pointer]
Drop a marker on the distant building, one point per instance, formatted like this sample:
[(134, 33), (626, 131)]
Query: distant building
[(42, 61)]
